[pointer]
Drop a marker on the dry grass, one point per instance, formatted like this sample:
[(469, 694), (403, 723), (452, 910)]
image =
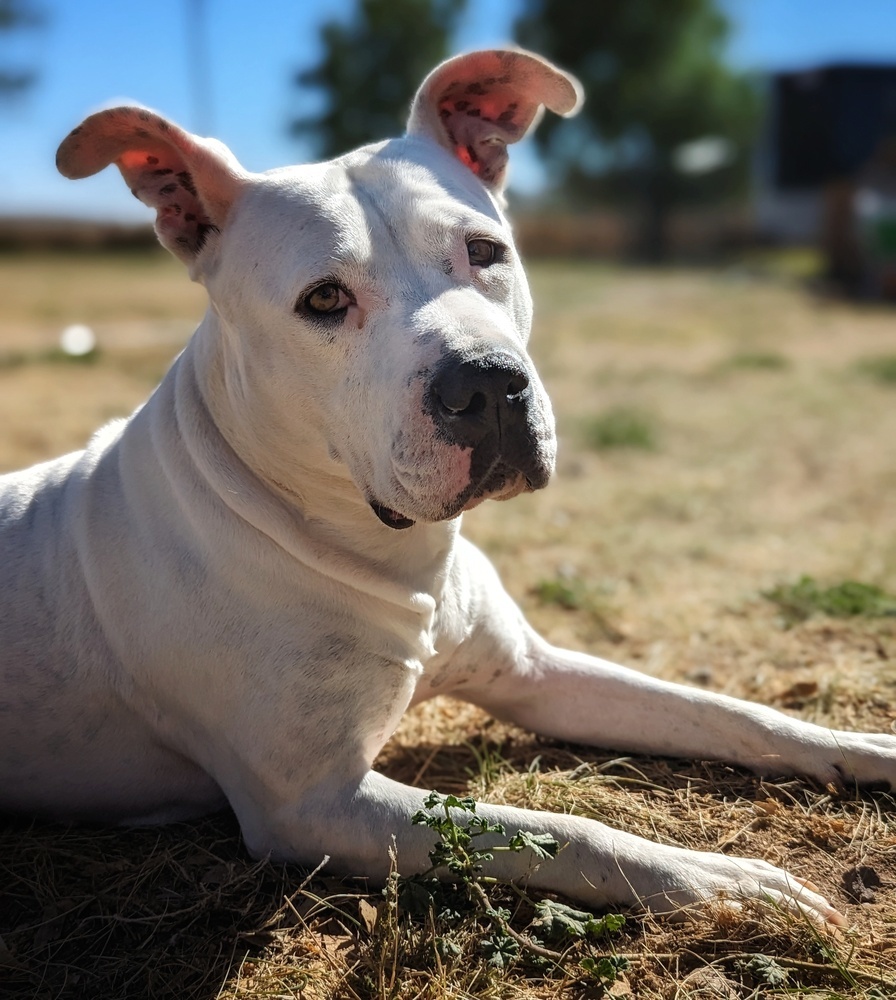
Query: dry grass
[(760, 471)]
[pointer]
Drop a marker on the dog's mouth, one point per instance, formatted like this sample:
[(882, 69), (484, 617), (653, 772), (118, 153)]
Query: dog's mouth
[(391, 518), (499, 484)]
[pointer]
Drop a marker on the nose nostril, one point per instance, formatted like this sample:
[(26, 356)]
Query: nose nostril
[(517, 385), (467, 391), (467, 407)]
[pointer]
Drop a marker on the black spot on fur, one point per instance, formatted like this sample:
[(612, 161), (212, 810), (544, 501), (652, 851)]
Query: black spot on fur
[(476, 88), (162, 171), (168, 189), (506, 116), (203, 231), (190, 217), (461, 105), (152, 160), (143, 116), (187, 182), (475, 113)]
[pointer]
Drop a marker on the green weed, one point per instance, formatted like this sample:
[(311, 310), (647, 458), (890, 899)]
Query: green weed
[(621, 427), (880, 367), (465, 903), (571, 593), (50, 356), (758, 361), (849, 599)]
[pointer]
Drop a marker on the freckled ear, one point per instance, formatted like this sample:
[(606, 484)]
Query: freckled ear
[(192, 183), (476, 104)]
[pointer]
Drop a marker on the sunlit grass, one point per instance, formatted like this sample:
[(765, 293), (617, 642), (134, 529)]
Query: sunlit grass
[(653, 557)]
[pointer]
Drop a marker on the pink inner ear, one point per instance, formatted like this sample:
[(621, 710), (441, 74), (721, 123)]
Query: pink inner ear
[(475, 105), (139, 159), (466, 158), (479, 119), (159, 176)]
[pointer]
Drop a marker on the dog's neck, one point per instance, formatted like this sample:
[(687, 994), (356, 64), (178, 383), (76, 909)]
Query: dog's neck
[(312, 510)]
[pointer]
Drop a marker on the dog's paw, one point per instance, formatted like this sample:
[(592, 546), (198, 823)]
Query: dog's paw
[(860, 760), (672, 883), (838, 760)]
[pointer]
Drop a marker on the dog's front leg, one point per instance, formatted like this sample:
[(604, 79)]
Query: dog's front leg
[(508, 669), (357, 824), (584, 699)]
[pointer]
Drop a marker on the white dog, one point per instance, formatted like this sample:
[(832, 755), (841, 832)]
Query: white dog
[(235, 595)]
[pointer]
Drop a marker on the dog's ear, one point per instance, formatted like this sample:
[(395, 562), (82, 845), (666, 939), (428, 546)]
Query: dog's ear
[(190, 182), (475, 104)]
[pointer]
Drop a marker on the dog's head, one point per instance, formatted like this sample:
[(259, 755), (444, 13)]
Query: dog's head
[(370, 312)]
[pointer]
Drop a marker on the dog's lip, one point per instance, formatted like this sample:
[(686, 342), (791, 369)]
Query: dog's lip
[(473, 496), (391, 518)]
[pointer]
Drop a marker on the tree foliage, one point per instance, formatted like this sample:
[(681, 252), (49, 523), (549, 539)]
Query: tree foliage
[(655, 80), (370, 68), (16, 15)]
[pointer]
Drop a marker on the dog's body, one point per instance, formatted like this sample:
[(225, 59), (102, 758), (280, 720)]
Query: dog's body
[(235, 595)]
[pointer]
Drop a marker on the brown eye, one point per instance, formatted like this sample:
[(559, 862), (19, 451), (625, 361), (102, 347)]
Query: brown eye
[(326, 300), (482, 253)]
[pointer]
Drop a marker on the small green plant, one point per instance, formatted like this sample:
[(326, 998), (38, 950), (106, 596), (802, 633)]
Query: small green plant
[(621, 427), (571, 593), (467, 895), (758, 360), (50, 356), (763, 970), (880, 367), (805, 598)]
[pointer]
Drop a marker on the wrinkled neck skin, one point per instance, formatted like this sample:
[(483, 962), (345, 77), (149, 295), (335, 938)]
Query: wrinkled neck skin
[(285, 483)]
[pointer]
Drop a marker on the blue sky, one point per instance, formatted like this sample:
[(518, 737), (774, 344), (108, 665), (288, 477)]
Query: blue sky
[(93, 52)]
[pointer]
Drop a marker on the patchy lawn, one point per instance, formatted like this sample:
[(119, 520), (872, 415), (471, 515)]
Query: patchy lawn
[(724, 438)]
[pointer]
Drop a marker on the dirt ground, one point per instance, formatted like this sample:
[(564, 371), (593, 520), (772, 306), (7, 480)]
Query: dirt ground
[(723, 433)]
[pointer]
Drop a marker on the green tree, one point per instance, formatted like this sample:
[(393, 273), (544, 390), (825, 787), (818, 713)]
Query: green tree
[(665, 121), (16, 15), (370, 68)]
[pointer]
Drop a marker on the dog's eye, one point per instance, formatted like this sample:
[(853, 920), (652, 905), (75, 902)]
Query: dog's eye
[(327, 299), (483, 253)]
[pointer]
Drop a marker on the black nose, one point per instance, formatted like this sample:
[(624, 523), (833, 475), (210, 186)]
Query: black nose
[(473, 398)]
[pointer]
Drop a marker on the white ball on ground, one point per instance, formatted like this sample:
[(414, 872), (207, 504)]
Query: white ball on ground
[(77, 340)]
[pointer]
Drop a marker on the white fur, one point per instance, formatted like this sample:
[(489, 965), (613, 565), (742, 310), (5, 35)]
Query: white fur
[(202, 606)]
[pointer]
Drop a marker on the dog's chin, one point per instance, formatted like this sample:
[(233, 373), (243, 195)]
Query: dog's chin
[(495, 489)]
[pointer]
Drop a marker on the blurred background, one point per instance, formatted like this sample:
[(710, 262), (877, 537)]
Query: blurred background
[(710, 125)]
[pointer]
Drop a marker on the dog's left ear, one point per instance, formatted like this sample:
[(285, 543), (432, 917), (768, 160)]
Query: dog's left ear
[(475, 104)]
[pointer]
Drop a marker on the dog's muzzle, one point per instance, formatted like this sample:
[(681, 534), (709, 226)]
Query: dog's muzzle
[(486, 404)]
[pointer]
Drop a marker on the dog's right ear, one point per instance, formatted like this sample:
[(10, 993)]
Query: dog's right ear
[(190, 182)]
